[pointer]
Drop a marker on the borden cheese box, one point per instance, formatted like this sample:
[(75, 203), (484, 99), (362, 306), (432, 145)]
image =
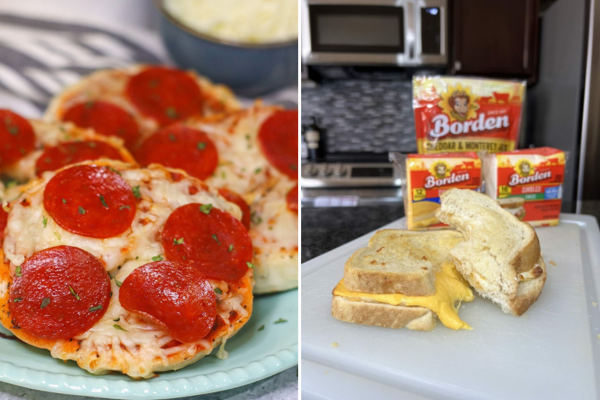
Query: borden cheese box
[(466, 114), (528, 183), (428, 176)]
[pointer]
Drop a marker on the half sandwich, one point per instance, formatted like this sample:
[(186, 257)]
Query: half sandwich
[(403, 279), (500, 256)]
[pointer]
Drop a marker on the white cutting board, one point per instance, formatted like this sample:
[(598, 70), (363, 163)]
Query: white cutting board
[(551, 352)]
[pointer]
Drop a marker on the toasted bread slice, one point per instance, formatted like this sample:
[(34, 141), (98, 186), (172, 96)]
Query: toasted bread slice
[(384, 315), (500, 256), (398, 261)]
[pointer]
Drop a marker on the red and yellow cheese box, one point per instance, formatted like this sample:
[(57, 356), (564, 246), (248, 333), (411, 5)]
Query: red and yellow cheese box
[(455, 114), (528, 183), (426, 176)]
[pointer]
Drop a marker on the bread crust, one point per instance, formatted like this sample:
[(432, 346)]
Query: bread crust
[(528, 292), (383, 315)]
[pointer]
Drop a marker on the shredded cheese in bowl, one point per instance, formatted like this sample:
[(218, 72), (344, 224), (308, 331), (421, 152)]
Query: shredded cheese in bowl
[(243, 21)]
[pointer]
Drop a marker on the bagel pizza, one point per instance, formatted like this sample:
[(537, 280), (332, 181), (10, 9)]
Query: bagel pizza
[(132, 103), (127, 269), (251, 155)]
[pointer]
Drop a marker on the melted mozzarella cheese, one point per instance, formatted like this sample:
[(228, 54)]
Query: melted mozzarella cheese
[(450, 288), (274, 233), (242, 166)]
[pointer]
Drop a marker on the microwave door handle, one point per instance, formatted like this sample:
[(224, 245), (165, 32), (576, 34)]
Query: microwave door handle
[(411, 31)]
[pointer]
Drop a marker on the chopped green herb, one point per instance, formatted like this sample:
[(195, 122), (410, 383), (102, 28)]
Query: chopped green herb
[(118, 282), (172, 137), (18, 271), (93, 145), (280, 321), (293, 167), (45, 221), (216, 239), (223, 174), (157, 258), (17, 300), (117, 320), (22, 150), (270, 228), (11, 184), (64, 201), (110, 294), (89, 104), (201, 145), (218, 290), (57, 235), (230, 248), (48, 160), (262, 327), (117, 326), (96, 308), (81, 210), (103, 201), (249, 264), (178, 241), (13, 130), (205, 208), (255, 218), (137, 257), (247, 137), (73, 293), (124, 207), (257, 170), (45, 302), (136, 192), (171, 113), (153, 83)]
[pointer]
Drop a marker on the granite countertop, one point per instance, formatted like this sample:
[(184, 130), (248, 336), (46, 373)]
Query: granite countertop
[(324, 229)]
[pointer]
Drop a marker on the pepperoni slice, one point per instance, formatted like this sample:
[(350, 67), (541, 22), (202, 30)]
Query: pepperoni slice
[(3, 222), (210, 240), (174, 295), (235, 198), (90, 201), (61, 293), (292, 199), (56, 157), (165, 94), (105, 118), (16, 137), (180, 147), (278, 138)]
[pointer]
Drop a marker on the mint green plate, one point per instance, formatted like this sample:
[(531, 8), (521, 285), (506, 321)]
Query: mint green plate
[(253, 355)]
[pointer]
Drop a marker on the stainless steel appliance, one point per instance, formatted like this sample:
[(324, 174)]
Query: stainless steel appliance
[(374, 32)]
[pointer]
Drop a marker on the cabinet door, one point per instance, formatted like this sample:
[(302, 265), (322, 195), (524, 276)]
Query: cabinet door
[(495, 37)]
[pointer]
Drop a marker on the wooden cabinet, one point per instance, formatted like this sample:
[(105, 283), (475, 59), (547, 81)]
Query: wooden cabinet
[(495, 38)]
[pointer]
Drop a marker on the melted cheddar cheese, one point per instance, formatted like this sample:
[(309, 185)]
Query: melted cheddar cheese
[(450, 286)]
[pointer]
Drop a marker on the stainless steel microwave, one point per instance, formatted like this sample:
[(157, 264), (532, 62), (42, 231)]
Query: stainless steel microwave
[(374, 32)]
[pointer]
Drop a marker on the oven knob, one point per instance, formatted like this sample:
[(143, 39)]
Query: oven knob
[(339, 170), (324, 170), (309, 170)]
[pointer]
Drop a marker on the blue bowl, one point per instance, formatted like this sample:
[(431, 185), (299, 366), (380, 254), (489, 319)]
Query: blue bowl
[(251, 70)]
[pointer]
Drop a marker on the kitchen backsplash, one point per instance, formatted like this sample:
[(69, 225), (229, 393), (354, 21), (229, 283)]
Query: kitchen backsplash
[(363, 115)]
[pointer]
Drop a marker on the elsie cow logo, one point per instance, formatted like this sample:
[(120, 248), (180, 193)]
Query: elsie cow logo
[(460, 114), (525, 172), (442, 175)]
